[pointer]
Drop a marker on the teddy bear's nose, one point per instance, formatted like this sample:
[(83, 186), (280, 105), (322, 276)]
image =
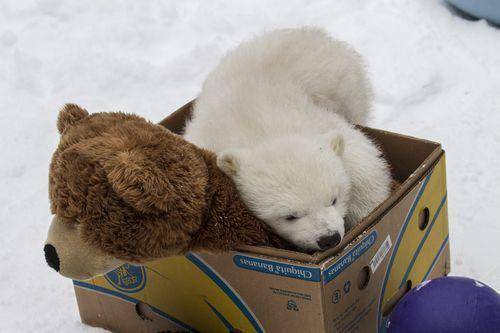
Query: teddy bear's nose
[(326, 242), (51, 256)]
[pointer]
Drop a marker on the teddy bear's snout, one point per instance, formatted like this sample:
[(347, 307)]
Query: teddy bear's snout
[(51, 256)]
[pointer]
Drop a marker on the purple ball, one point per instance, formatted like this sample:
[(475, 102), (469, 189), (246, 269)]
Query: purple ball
[(447, 304)]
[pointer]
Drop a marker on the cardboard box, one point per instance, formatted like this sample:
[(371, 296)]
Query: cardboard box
[(350, 288)]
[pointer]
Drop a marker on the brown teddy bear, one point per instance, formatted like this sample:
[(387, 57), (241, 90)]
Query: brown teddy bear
[(125, 190)]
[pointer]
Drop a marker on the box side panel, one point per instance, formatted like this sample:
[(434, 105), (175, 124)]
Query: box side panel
[(176, 121), (283, 296), (404, 153), (423, 237), (404, 246), (209, 293), (90, 308), (118, 314)]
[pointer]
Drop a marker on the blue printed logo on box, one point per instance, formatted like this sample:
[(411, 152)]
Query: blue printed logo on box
[(277, 268), (347, 259), (127, 278)]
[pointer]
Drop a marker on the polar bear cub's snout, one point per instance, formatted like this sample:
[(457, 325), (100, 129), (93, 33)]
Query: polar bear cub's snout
[(319, 229), (297, 185)]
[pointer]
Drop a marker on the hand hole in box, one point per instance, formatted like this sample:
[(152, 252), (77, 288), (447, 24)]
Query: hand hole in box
[(144, 311), (423, 218), (391, 302), (364, 277)]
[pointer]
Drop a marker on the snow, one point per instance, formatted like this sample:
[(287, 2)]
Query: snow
[(435, 74)]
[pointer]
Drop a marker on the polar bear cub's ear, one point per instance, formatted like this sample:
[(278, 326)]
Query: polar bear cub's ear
[(230, 161), (335, 142), (69, 115)]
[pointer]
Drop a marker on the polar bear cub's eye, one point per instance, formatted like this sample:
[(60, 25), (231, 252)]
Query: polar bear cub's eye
[(291, 217), (334, 202)]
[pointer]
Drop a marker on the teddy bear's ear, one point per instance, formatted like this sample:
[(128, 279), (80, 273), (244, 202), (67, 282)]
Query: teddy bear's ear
[(139, 181), (69, 115), (229, 161)]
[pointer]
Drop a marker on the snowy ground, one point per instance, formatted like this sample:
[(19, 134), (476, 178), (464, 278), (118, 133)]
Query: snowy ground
[(436, 76)]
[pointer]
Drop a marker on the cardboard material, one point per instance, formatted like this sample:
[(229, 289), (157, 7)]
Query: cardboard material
[(350, 288)]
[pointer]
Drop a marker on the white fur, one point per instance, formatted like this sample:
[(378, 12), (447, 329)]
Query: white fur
[(276, 112)]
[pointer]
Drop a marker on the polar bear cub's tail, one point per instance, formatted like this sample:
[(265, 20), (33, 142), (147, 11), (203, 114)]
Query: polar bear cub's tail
[(329, 70)]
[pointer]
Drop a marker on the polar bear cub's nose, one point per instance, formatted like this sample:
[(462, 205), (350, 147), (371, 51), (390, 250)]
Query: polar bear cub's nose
[(329, 241), (51, 256)]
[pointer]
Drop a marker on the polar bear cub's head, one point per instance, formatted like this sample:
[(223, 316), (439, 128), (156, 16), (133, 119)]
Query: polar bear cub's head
[(298, 186)]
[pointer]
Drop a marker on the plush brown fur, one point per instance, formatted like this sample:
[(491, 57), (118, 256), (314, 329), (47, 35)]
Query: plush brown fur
[(136, 191)]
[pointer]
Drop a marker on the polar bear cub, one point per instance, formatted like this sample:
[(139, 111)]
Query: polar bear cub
[(278, 111)]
